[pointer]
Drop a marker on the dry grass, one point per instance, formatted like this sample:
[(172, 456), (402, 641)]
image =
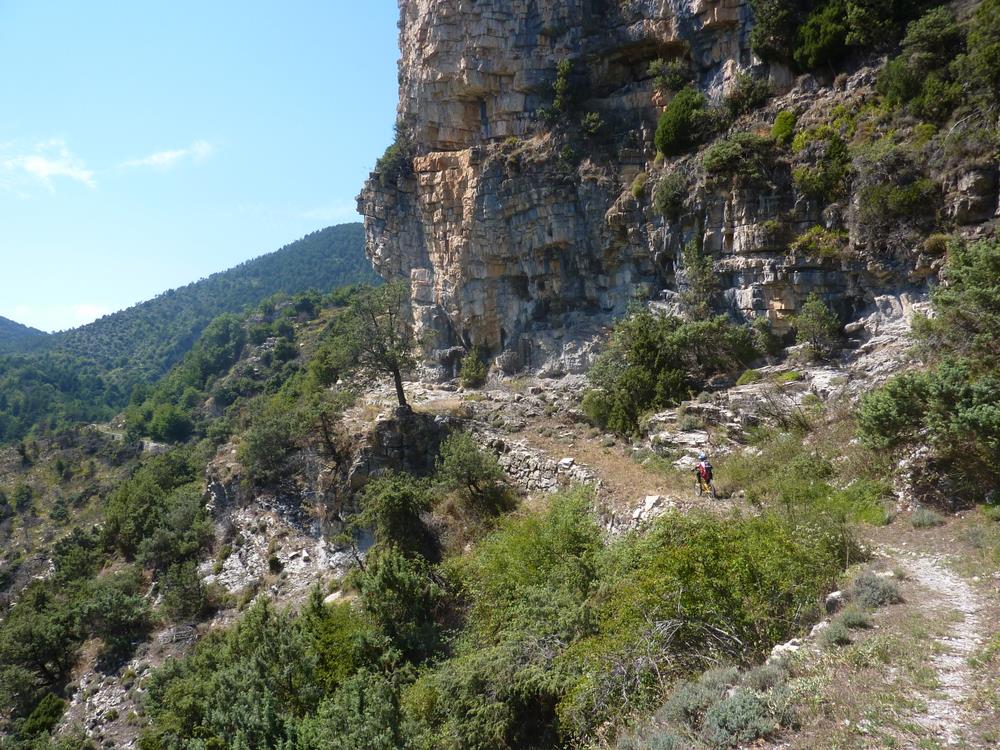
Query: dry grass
[(872, 693)]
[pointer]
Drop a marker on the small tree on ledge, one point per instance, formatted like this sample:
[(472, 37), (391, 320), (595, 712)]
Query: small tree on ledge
[(375, 337), (817, 326)]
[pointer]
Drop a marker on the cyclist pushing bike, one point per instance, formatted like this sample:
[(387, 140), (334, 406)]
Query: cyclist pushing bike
[(703, 476)]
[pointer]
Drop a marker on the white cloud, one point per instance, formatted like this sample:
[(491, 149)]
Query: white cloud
[(197, 152), (88, 312), (41, 164), (335, 211)]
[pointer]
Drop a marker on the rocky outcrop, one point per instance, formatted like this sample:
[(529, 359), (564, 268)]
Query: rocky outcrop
[(506, 239), (524, 232)]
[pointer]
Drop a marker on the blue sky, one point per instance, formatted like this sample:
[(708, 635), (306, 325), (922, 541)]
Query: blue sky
[(146, 145)]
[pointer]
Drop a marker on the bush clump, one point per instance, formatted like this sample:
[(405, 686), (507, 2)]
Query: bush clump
[(473, 371), (833, 29), (825, 176), (820, 242), (817, 327), (872, 591), (744, 157), (683, 122), (783, 129), (853, 618), (952, 405), (654, 362), (925, 518), (669, 195), (396, 161), (475, 474), (922, 78), (835, 634), (889, 201), (747, 94), (670, 75)]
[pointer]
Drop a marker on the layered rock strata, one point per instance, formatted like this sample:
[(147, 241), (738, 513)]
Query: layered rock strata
[(522, 232)]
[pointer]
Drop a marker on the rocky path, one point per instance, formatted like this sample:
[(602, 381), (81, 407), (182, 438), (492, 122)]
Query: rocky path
[(950, 597)]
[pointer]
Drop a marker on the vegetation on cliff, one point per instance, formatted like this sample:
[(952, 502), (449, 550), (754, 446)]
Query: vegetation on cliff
[(85, 374), (951, 405)]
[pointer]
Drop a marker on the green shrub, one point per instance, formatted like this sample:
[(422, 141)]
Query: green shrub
[(669, 195), (403, 599), (783, 130), (835, 634), (700, 282), (746, 94), (864, 501), (183, 592), (474, 473), (527, 586), (562, 87), (741, 718), (765, 677), (893, 413), (139, 507), (265, 448), (872, 591), (775, 28), (638, 186), (170, 423), (690, 700), (45, 716), (114, 611), (245, 685), (473, 371), (682, 124), (654, 362), (592, 124), (765, 339), (396, 162), (749, 376), (817, 327), (853, 618), (888, 201), (364, 713), (834, 28), (952, 406), (820, 242), (981, 66), (699, 573), (826, 178), (670, 75), (925, 518), (745, 156), (823, 36), (391, 506)]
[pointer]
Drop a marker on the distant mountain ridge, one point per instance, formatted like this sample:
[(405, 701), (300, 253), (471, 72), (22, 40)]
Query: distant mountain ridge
[(86, 373), (145, 340), (14, 335)]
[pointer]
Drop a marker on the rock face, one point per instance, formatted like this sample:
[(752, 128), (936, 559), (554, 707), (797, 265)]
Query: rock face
[(507, 244), (524, 232)]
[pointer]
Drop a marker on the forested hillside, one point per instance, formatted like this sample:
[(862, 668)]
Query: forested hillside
[(87, 372), (14, 335), (145, 340)]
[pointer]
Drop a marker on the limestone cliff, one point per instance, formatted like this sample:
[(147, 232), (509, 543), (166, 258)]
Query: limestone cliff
[(520, 230)]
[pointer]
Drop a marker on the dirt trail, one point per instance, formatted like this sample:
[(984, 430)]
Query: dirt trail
[(952, 597)]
